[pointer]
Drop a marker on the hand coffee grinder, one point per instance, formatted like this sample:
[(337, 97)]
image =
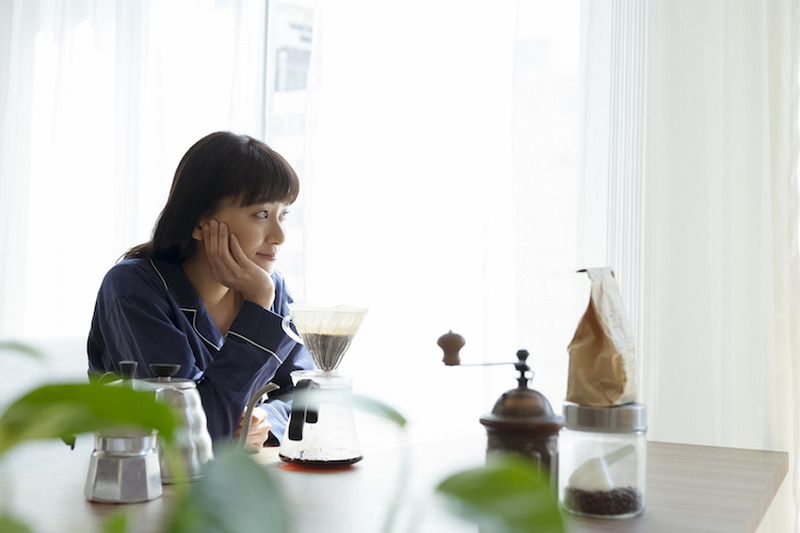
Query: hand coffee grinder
[(522, 421), (321, 430)]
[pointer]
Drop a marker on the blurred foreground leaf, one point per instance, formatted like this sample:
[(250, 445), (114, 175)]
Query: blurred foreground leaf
[(508, 495), (236, 494), (341, 396), (9, 524), (118, 523), (379, 408), (63, 410), (19, 347)]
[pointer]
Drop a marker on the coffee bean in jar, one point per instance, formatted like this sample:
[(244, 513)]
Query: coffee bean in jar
[(619, 502), (603, 458)]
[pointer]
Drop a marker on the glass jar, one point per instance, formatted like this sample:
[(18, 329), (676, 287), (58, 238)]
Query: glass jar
[(603, 460)]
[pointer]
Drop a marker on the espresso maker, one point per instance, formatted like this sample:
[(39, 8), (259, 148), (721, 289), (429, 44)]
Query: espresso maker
[(321, 431), (124, 466)]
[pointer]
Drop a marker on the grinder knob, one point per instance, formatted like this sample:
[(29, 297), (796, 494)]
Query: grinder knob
[(451, 343)]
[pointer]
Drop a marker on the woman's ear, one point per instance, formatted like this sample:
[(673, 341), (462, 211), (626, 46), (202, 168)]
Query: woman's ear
[(197, 232)]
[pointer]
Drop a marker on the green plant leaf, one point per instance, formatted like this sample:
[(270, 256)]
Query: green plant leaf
[(118, 523), (341, 396), (69, 440), (235, 494), (63, 410), (379, 408), (9, 524), (508, 495), (20, 347)]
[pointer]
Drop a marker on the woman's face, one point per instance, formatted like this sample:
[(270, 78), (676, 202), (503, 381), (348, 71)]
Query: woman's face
[(258, 227)]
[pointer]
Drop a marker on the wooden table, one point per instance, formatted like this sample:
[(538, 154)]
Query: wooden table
[(689, 489), (702, 489)]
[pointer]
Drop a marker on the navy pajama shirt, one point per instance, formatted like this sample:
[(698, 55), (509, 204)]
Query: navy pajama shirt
[(148, 311)]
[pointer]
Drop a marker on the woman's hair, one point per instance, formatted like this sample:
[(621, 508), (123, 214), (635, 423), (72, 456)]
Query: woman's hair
[(220, 166)]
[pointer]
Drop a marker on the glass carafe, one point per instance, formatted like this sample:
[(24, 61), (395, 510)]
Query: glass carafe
[(321, 430)]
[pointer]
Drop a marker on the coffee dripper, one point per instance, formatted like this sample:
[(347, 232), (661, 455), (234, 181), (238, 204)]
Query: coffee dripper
[(321, 431)]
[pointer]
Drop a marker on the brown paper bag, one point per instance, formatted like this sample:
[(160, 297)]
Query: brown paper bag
[(602, 356)]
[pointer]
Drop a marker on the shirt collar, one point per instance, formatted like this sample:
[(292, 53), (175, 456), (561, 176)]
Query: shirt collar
[(185, 295)]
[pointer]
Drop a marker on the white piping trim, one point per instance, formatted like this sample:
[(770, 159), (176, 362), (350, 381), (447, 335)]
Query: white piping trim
[(256, 344), (184, 309), (159, 274), (194, 326)]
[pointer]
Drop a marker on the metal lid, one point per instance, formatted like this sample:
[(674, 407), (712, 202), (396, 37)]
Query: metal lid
[(172, 383), (626, 418), (134, 442), (523, 410), (127, 373), (164, 376)]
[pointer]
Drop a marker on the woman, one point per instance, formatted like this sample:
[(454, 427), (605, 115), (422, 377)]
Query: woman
[(204, 293)]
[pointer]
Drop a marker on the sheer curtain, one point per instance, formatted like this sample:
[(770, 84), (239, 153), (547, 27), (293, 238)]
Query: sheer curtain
[(443, 176), (98, 101), (410, 210), (722, 226), (710, 200), (722, 221)]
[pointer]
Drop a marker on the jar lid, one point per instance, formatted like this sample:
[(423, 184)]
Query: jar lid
[(623, 418)]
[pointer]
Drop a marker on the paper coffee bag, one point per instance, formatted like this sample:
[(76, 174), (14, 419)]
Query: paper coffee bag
[(602, 354)]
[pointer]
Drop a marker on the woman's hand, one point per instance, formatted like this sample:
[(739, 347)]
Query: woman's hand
[(259, 430), (233, 268)]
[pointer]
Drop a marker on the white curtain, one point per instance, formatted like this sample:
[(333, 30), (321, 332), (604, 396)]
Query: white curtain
[(443, 170), (722, 226), (98, 101), (722, 221), (709, 203)]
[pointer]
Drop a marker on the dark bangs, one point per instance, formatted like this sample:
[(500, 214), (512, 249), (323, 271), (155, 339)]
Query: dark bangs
[(258, 174), (220, 167)]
